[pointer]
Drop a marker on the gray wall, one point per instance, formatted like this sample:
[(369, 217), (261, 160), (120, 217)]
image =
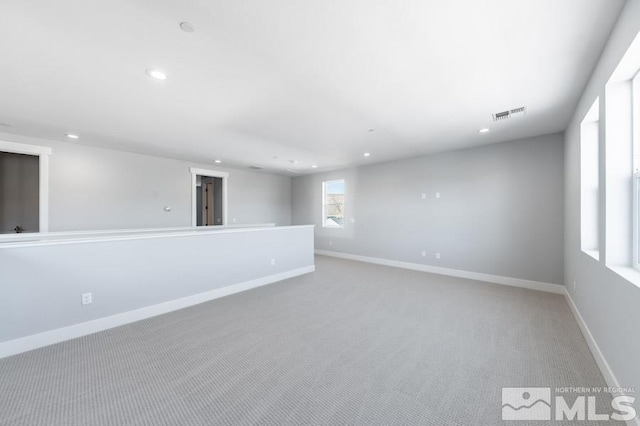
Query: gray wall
[(95, 188), (42, 285), (609, 304), (500, 211), (19, 192)]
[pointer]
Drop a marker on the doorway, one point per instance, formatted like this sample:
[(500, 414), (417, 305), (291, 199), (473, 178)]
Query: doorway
[(209, 197), (209, 201), (19, 193)]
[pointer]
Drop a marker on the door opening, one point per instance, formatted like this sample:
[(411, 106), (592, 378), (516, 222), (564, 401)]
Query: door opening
[(209, 201), (19, 193), (208, 197)]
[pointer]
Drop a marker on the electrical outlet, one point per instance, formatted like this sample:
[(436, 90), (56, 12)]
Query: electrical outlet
[(437, 255), (233, 220), (424, 253), (87, 298), (424, 196), (273, 262), (437, 195), (575, 287), (330, 243)]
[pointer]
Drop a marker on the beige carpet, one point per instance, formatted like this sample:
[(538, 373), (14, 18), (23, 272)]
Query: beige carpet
[(351, 344)]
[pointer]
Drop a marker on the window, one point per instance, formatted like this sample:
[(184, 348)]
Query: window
[(333, 204), (635, 105), (621, 165), (589, 180)]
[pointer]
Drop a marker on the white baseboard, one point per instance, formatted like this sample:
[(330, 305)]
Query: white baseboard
[(50, 337), (603, 365), (514, 282)]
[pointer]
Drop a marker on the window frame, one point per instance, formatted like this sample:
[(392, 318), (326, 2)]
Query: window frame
[(324, 204), (635, 129), (636, 227), (590, 181)]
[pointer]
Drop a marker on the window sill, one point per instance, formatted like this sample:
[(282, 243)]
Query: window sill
[(593, 253), (628, 273)]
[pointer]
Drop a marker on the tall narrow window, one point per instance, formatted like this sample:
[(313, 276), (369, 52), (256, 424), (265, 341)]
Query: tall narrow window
[(635, 105), (620, 165), (333, 204), (589, 180)]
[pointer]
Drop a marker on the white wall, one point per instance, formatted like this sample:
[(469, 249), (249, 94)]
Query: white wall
[(96, 188), (42, 282), (500, 211), (609, 304)]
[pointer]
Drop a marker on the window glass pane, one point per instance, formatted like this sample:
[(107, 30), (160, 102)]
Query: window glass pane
[(636, 219), (333, 204), (635, 97)]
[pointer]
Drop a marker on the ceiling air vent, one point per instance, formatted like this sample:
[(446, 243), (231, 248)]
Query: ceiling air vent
[(516, 112), (255, 168)]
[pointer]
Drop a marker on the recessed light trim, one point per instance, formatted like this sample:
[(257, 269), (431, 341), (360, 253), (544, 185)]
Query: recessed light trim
[(72, 136), (484, 130), (314, 166), (217, 161), (157, 74), (367, 154)]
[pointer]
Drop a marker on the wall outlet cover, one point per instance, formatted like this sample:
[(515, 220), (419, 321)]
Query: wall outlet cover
[(87, 298)]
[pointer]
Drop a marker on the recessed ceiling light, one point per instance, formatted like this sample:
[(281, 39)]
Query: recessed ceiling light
[(485, 130), (367, 154), (217, 161), (187, 27), (314, 167), (5, 125), (157, 74), (372, 130), (72, 136)]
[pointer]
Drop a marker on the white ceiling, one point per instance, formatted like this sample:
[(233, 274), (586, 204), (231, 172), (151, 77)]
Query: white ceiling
[(301, 80)]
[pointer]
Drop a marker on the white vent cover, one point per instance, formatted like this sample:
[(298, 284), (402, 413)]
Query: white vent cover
[(255, 168), (516, 112)]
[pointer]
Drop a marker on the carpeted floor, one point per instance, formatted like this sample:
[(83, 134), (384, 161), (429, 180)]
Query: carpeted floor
[(351, 344)]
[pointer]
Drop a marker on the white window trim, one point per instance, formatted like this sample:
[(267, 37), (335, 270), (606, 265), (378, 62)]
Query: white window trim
[(194, 190), (43, 153), (635, 129), (636, 211), (324, 216)]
